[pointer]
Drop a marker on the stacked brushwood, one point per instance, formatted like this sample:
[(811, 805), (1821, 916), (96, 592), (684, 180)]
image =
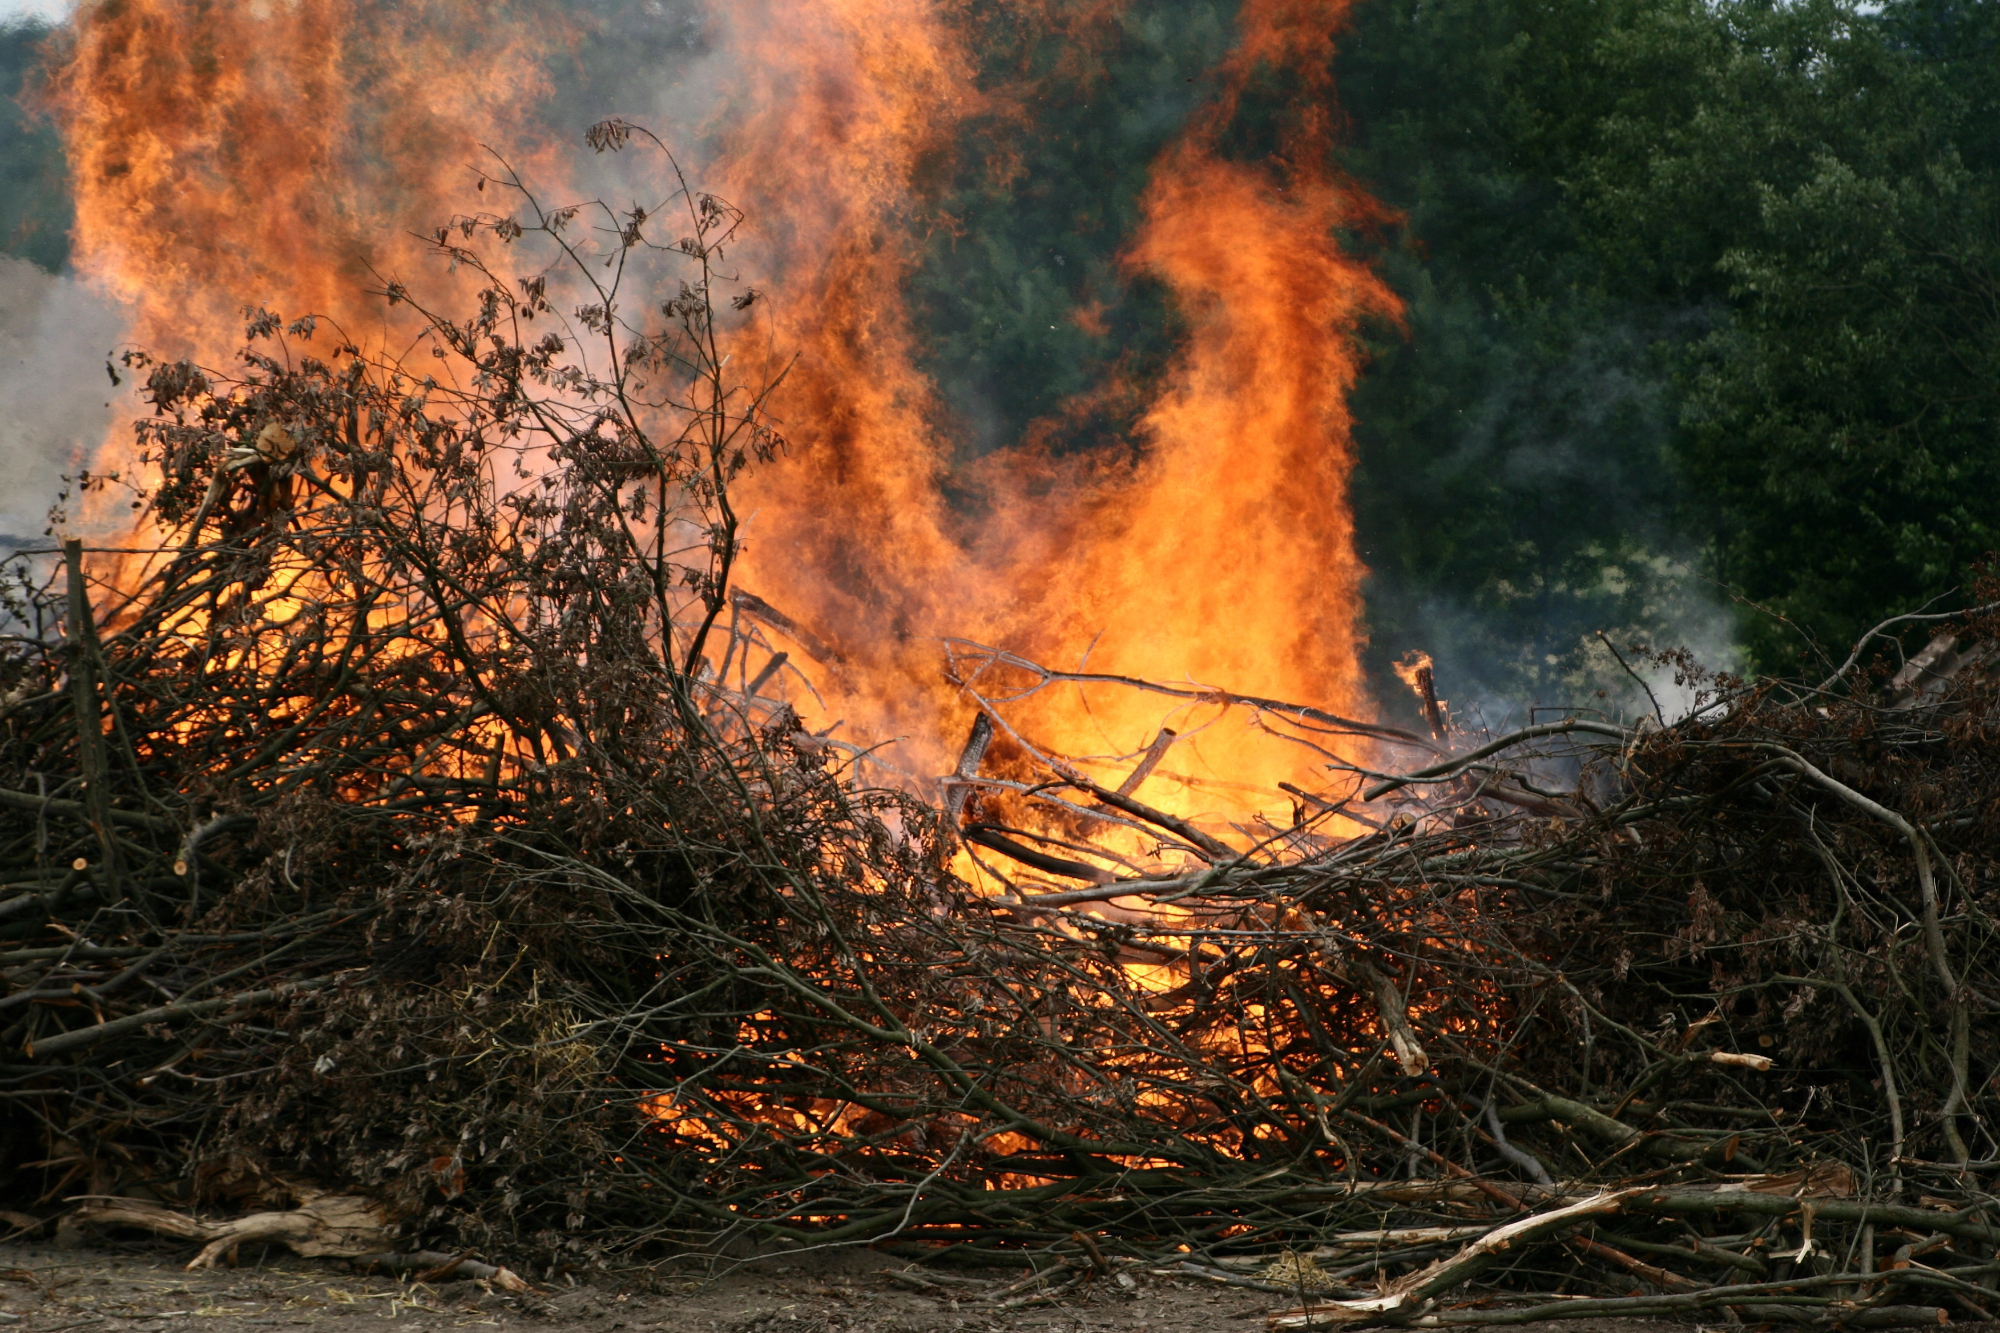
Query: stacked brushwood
[(392, 868)]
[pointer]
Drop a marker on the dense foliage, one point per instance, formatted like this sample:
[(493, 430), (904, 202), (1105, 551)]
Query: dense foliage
[(1770, 231), (1793, 205), (1828, 176)]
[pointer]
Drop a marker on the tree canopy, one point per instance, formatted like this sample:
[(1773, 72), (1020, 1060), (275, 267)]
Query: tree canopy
[(1721, 277)]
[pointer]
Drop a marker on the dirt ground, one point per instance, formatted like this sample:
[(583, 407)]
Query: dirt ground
[(145, 1288), (108, 1289)]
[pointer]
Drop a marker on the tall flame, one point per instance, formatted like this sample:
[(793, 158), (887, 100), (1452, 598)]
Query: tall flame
[(833, 106), (1228, 555), (275, 152)]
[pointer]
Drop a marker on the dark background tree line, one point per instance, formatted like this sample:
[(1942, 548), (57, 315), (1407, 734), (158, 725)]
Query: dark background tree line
[(1703, 329)]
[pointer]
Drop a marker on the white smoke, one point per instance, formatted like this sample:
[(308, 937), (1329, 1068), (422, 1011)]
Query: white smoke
[(56, 399)]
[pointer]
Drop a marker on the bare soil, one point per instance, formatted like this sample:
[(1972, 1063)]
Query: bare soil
[(109, 1289)]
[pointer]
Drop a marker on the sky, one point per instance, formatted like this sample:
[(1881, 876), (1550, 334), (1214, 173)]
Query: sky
[(12, 10)]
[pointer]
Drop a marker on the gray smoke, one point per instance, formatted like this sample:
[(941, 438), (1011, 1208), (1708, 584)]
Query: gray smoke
[(56, 399), (1634, 601)]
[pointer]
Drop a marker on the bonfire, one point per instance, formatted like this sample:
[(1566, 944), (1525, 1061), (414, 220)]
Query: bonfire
[(416, 854)]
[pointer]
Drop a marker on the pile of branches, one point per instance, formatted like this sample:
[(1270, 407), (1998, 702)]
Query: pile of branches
[(410, 846), (1694, 1016)]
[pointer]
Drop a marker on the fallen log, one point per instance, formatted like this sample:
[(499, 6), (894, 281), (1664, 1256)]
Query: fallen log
[(335, 1226)]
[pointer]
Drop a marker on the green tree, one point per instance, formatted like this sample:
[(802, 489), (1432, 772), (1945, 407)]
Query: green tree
[(1824, 173), (1515, 492), (1682, 275)]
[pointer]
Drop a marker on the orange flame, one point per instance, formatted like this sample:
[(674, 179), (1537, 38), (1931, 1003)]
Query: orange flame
[(835, 104), (1415, 671), (274, 153), (277, 152)]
